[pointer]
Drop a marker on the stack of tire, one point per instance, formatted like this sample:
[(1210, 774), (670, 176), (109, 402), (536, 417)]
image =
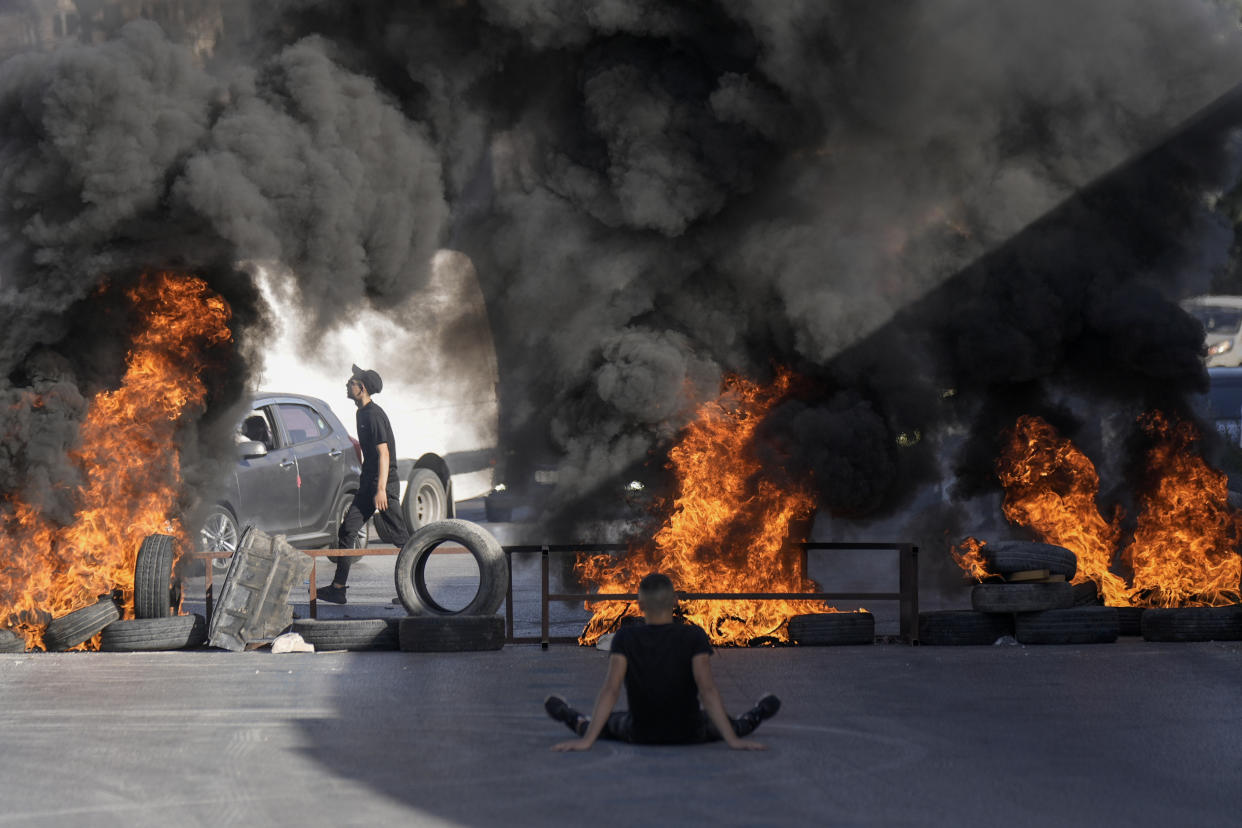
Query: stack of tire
[(429, 627), (1193, 623), (155, 625), (1035, 602)]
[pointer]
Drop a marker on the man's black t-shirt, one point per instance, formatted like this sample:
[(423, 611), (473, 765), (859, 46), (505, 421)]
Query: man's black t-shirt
[(659, 681), (373, 429)]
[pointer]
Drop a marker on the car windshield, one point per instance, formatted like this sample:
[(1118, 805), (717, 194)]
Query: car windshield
[(1218, 320)]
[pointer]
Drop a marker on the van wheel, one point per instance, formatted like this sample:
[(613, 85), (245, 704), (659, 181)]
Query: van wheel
[(425, 501)]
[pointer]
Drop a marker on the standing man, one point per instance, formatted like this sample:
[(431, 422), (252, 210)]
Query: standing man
[(379, 489)]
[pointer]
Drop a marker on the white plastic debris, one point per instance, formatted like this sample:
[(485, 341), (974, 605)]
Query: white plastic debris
[(605, 642), (1005, 641), (291, 642)]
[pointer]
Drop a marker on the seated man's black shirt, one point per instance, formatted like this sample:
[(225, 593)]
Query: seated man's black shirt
[(659, 681)]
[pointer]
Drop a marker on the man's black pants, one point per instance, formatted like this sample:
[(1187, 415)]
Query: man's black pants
[(390, 524), (620, 727)]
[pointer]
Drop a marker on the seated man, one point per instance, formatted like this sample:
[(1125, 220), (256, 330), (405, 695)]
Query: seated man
[(666, 672)]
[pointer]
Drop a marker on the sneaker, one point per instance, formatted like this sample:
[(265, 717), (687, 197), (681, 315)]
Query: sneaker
[(558, 709), (332, 593), (767, 706)]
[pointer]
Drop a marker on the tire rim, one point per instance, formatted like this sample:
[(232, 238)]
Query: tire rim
[(428, 504), (219, 534)]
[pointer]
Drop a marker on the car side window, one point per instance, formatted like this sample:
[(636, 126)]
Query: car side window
[(257, 426), (302, 423)]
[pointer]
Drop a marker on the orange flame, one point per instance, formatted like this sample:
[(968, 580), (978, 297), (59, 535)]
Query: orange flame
[(727, 531), (130, 462), (970, 559), (1185, 545)]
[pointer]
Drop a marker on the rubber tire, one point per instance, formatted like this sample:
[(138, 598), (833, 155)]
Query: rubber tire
[(820, 629), (73, 628), (1193, 624), (1131, 620), (427, 481), (348, 634), (1007, 557), (176, 632), (963, 627), (11, 642), (1086, 594), (153, 578), (451, 634), (1027, 597), (1079, 625), (488, 554), (228, 526)]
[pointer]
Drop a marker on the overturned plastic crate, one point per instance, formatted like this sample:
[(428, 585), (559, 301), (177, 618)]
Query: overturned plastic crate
[(254, 600)]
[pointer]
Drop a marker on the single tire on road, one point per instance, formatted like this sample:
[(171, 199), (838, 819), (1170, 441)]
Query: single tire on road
[(176, 632), (1193, 624), (1031, 597), (73, 628), (153, 590), (1078, 625), (358, 634), (963, 627), (411, 570), (820, 629), (451, 633)]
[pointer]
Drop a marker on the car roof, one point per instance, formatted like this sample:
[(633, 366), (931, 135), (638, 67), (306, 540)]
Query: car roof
[(267, 397)]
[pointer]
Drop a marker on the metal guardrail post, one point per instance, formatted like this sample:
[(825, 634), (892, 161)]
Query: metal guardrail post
[(909, 586), (543, 576)]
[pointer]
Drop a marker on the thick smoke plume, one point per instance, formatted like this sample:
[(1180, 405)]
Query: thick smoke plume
[(656, 194)]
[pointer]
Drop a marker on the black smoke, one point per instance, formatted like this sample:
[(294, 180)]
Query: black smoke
[(932, 212)]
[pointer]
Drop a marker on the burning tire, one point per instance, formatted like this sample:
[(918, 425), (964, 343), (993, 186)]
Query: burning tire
[(425, 501), (1086, 594), (72, 629), (1080, 625), (1027, 597), (1193, 624), (11, 642), (153, 591), (175, 632), (352, 634), (1008, 557), (412, 568), (963, 627), (451, 633), (827, 628), (1131, 619)]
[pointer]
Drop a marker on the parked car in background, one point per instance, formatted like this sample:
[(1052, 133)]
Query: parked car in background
[(1221, 317), (296, 475)]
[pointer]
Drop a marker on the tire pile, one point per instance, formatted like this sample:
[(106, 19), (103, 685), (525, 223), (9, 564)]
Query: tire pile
[(430, 627), (154, 627), (1036, 604), (821, 629)]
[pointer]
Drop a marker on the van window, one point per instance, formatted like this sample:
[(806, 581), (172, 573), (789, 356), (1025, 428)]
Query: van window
[(1217, 320)]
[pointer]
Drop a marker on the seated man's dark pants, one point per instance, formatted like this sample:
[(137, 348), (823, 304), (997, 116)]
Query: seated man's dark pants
[(389, 524), (620, 727)]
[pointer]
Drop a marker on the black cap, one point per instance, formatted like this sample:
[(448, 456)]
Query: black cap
[(370, 380)]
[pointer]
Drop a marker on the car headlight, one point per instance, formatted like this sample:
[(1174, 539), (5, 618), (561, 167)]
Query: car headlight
[(1222, 347)]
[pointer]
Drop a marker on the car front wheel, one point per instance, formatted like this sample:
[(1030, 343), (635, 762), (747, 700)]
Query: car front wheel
[(219, 534)]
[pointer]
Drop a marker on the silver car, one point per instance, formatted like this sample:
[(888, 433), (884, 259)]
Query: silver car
[(1221, 317), (296, 475)]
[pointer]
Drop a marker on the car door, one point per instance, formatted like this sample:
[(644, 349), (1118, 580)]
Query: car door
[(268, 485), (320, 463)]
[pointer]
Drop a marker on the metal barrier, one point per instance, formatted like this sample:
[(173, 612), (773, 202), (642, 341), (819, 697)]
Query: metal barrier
[(907, 594)]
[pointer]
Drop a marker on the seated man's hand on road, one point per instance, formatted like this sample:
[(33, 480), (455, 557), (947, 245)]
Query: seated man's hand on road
[(746, 744), (572, 744), (381, 500)]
